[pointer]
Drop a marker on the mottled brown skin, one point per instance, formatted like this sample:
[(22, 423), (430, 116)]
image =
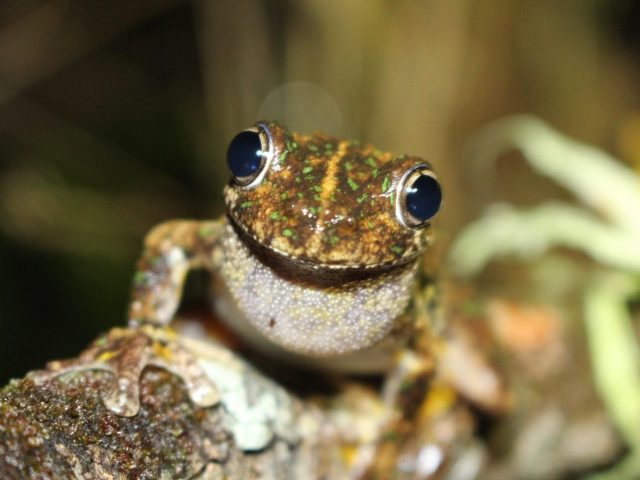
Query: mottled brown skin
[(329, 203)]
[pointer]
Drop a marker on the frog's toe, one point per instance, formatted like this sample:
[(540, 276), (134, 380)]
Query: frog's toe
[(126, 353), (123, 396), (179, 361), (202, 391)]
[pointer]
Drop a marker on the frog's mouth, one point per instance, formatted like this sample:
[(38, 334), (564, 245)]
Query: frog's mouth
[(307, 271)]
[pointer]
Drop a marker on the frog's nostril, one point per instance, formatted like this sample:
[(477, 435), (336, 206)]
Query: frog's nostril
[(423, 198), (245, 156)]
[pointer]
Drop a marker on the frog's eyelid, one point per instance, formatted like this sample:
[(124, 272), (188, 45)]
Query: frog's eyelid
[(403, 215), (268, 154)]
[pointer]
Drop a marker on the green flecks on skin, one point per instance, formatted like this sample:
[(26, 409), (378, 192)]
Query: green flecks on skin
[(317, 188), (246, 204), (371, 162), (375, 173), (282, 158), (333, 239), (157, 261), (287, 232), (390, 437), (332, 197), (408, 383), (352, 183), (314, 210), (385, 183), (392, 198), (397, 249), (370, 224), (307, 169), (204, 232), (275, 215), (140, 279), (316, 196), (299, 195), (291, 146), (361, 198), (284, 195), (348, 165), (298, 179), (312, 148)]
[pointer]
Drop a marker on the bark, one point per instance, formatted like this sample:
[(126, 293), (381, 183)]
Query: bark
[(60, 429)]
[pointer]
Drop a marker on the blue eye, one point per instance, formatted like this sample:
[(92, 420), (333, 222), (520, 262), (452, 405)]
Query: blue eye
[(422, 198), (246, 156)]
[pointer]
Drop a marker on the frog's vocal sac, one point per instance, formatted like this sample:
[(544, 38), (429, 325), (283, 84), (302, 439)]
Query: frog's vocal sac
[(321, 239)]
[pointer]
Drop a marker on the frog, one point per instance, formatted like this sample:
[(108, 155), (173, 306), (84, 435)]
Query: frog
[(315, 264)]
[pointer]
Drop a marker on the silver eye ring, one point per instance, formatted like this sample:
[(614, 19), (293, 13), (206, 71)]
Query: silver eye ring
[(249, 155), (418, 197)]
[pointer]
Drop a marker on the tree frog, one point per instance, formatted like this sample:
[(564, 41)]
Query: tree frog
[(314, 262)]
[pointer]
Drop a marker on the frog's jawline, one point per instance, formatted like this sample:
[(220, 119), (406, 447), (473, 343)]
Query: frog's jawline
[(312, 273)]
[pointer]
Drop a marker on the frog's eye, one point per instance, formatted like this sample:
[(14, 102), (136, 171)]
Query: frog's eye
[(419, 197), (248, 156)]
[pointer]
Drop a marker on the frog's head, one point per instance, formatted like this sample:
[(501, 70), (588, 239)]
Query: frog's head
[(327, 203)]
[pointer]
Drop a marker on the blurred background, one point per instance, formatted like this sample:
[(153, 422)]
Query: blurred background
[(116, 115)]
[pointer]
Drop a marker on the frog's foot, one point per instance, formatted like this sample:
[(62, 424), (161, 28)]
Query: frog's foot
[(125, 353)]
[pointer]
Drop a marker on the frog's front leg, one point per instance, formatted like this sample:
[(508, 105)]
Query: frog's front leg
[(171, 250)]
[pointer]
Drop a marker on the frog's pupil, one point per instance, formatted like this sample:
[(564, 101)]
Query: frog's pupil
[(244, 155), (423, 198)]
